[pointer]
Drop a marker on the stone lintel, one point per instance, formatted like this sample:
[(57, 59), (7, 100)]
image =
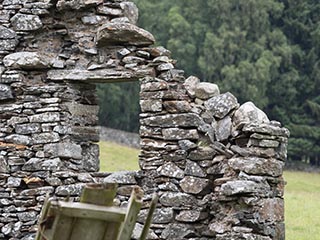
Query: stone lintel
[(98, 76)]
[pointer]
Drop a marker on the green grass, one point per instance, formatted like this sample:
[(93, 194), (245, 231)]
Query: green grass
[(302, 206), (114, 157), (302, 192)]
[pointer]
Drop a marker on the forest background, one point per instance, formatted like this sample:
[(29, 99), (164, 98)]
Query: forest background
[(265, 51)]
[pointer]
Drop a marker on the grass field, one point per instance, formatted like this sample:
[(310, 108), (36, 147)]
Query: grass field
[(302, 192), (114, 157), (302, 203)]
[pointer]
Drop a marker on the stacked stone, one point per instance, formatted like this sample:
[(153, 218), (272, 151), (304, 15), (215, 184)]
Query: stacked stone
[(47, 128), (216, 165)]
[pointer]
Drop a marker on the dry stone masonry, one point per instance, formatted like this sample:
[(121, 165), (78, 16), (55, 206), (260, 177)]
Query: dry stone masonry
[(215, 163)]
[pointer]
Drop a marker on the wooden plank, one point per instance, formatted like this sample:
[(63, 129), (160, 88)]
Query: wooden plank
[(112, 230), (62, 228), (148, 221), (132, 214), (42, 219), (90, 211), (98, 194)]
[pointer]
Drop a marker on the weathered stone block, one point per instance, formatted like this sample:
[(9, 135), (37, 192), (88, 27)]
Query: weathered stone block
[(271, 210), (244, 187), (177, 106), (249, 113), (7, 33), (173, 120), (190, 216), (258, 166), (38, 164), (177, 231), (19, 139), (28, 128), (202, 153), (8, 44), (41, 138), (123, 33), (154, 86), (70, 190), (179, 134), (160, 215), (171, 170), (266, 143), (26, 60), (221, 105), (190, 85), (176, 199), (223, 129), (130, 10), (26, 22), (151, 105), (124, 177), (5, 92), (4, 168), (64, 150), (97, 76), (45, 117), (194, 185), (193, 169), (27, 216), (266, 129), (13, 182), (204, 90), (76, 4)]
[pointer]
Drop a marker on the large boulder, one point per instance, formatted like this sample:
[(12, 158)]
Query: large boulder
[(249, 113)]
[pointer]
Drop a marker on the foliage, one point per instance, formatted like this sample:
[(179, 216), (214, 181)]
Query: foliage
[(266, 51), (119, 105)]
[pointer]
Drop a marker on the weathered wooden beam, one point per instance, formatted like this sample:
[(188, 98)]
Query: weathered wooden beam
[(132, 214), (89, 211), (98, 194), (148, 221)]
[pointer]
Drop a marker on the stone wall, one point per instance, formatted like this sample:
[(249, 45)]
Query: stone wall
[(216, 165), (120, 137)]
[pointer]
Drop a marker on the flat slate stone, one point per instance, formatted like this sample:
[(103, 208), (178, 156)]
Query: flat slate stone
[(176, 199), (124, 177), (173, 120), (193, 185), (123, 33), (76, 4), (26, 60), (170, 170), (244, 187), (97, 76), (257, 166)]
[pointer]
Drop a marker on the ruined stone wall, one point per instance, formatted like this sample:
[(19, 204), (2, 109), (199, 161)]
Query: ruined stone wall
[(216, 165)]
